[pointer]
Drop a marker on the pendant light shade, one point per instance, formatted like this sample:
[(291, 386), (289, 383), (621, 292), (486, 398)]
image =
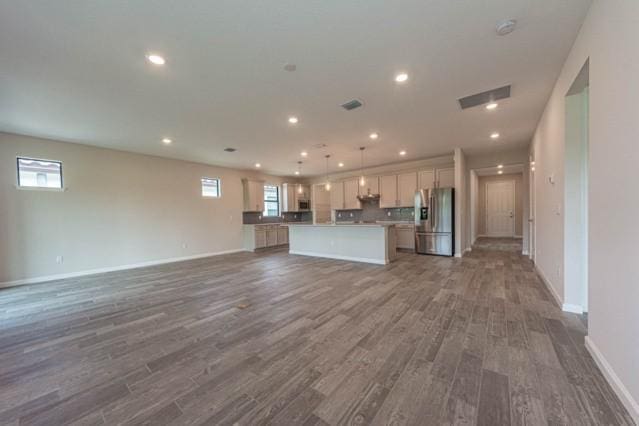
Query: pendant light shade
[(362, 179), (327, 186), (299, 173)]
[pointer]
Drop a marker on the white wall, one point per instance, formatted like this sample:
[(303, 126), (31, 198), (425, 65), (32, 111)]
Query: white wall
[(609, 38), (462, 214), (118, 208)]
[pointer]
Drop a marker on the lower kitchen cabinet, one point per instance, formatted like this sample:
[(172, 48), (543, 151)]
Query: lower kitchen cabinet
[(264, 236), (405, 235)]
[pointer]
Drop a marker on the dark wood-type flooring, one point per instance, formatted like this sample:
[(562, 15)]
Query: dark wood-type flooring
[(271, 338)]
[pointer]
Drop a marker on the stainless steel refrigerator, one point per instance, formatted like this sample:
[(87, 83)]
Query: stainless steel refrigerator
[(434, 221)]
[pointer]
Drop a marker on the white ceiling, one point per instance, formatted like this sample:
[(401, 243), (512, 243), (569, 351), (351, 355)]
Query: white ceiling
[(76, 71)]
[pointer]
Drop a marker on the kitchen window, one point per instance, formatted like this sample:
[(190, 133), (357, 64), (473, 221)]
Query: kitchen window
[(210, 187), (33, 173), (271, 200)]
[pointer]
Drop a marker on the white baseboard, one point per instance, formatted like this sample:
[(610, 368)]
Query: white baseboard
[(551, 289), (45, 278), (339, 257), (613, 379), (566, 307)]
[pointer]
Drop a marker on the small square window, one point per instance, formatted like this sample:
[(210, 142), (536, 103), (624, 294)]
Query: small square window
[(210, 187), (34, 173)]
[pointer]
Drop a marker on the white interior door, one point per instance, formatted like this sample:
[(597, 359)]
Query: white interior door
[(500, 209)]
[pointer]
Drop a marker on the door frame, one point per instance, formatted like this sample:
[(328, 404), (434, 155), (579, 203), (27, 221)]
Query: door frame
[(514, 219)]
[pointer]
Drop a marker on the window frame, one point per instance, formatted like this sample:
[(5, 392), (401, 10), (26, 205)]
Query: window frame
[(219, 187), (277, 202), (39, 188)]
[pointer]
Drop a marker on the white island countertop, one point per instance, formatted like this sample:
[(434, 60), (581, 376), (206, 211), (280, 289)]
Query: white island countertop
[(358, 242), (376, 225)]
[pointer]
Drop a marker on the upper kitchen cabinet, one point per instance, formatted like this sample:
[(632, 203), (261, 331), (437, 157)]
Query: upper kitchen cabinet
[(388, 191), (437, 178), (337, 195), (371, 186), (253, 195), (351, 191), (426, 179), (406, 187), (445, 177)]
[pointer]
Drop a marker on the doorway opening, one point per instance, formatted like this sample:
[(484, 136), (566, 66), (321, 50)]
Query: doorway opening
[(576, 194), (497, 205)]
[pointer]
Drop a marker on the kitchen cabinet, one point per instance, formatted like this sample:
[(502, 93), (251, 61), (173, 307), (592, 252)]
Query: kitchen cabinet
[(405, 235), (388, 191), (397, 190), (445, 177), (271, 235), (260, 238), (351, 191), (371, 186), (426, 179), (264, 235), (406, 187), (282, 235), (253, 195), (291, 196), (337, 195), (437, 178)]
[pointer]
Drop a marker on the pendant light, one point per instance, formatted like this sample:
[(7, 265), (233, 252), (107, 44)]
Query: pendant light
[(327, 186), (299, 172), (362, 180)]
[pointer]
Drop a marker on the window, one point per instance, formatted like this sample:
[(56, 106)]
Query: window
[(34, 173), (210, 187), (271, 200)]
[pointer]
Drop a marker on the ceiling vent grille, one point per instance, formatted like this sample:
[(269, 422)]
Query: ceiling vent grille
[(485, 97), (350, 105), (229, 149)]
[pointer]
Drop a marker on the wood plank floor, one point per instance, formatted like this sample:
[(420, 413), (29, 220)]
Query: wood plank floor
[(271, 338)]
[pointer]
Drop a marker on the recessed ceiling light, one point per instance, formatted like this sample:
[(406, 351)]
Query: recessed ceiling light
[(373, 136), (501, 166), (500, 172), (304, 154), (532, 163), (293, 120), (494, 135), (258, 165), (167, 141), (401, 77), (297, 172), (340, 165), (491, 106), (155, 59), (402, 153)]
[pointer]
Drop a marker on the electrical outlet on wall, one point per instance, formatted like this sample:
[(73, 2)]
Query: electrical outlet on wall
[(59, 259), (388, 213), (185, 245)]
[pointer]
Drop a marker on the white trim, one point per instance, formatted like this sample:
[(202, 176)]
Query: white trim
[(518, 236), (340, 257), (458, 254), (45, 278), (613, 379), (549, 286), (575, 309)]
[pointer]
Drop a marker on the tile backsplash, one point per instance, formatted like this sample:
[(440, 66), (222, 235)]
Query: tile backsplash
[(253, 218), (371, 212)]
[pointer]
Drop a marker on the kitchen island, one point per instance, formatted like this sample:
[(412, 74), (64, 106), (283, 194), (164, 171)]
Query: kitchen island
[(370, 243)]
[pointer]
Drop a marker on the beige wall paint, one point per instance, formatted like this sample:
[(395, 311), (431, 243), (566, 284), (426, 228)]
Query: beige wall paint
[(519, 200), (609, 38), (118, 208)]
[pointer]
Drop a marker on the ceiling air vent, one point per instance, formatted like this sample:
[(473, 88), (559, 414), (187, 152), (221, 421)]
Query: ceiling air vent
[(485, 97), (230, 149), (352, 105)]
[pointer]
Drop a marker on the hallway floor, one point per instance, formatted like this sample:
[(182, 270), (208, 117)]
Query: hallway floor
[(272, 338)]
